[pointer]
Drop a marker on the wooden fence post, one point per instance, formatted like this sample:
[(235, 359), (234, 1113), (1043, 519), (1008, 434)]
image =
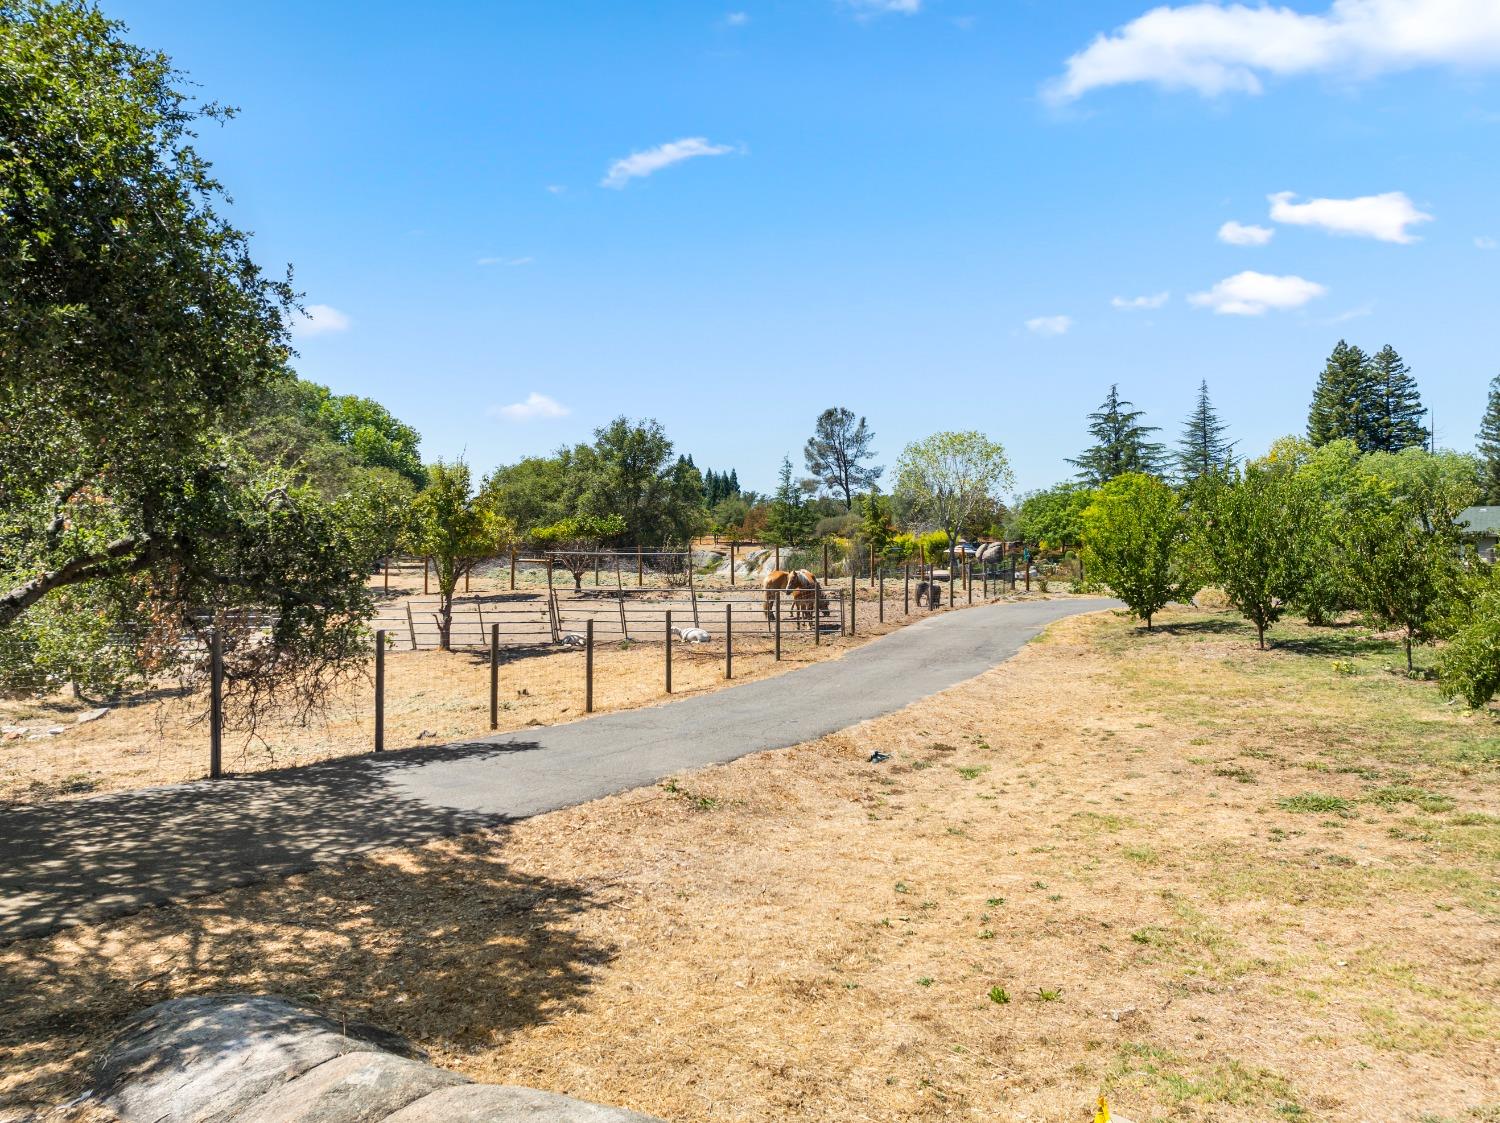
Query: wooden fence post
[(906, 588), (777, 564), (969, 580), (426, 567), (729, 641), (640, 568), (494, 676), (692, 590), (853, 586), (512, 570), (882, 596), (778, 624), (825, 561), (669, 651), (588, 666), (215, 704), (411, 628), (380, 690), (731, 562), (1026, 561)]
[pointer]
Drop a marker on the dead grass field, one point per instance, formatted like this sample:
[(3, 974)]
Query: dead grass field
[(432, 697), (1216, 883)]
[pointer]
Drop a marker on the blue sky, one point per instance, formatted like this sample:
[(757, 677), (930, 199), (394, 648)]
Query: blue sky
[(925, 210)]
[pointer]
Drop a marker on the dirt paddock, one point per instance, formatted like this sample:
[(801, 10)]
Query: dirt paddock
[(1211, 882)]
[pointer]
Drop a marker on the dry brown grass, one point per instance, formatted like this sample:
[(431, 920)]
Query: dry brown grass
[(1096, 828)]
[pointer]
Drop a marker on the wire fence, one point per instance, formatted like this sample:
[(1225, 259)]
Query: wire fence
[(533, 655)]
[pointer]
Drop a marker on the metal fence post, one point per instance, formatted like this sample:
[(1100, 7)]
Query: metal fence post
[(778, 624), (215, 705), (669, 651), (380, 690), (729, 641), (906, 588), (494, 676), (969, 580), (853, 589), (588, 666), (882, 596)]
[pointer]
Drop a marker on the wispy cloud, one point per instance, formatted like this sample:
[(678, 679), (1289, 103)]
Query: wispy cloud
[(322, 319), (555, 188), (1384, 217), (1253, 294), (640, 164), (505, 261), (536, 407), (1215, 48), (1357, 313), (1238, 234), (737, 19), (1049, 325), (1131, 303), (904, 7), (1485, 242)]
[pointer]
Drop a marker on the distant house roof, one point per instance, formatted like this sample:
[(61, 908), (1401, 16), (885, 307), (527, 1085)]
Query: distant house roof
[(1481, 520)]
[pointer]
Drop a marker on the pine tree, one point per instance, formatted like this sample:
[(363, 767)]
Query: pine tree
[(1120, 443), (734, 482), (1345, 404), (1489, 445), (1203, 448), (1400, 413)]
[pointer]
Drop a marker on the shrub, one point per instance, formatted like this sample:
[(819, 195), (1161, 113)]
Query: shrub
[(1469, 667)]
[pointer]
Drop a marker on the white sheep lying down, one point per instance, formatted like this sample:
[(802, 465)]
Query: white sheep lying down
[(691, 635)]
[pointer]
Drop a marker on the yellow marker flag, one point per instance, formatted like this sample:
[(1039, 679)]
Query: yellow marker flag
[(1102, 1115)]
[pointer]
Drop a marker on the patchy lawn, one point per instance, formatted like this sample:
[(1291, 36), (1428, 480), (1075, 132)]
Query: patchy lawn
[(1212, 882)]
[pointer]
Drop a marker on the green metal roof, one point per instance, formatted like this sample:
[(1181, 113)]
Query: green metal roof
[(1481, 520)]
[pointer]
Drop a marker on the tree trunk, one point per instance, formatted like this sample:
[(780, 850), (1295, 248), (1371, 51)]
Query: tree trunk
[(1408, 651), (1260, 631), (445, 621)]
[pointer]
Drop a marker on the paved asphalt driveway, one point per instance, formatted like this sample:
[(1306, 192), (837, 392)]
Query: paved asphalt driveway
[(74, 862)]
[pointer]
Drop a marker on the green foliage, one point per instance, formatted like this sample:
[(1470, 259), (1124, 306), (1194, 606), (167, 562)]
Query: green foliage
[(1343, 405), (578, 542), (1133, 533), (790, 520), (1120, 445), (1399, 415), (137, 336), (950, 478), (1469, 666), (1488, 445), (1202, 448), (454, 530), (838, 452), (1252, 528), (1054, 516), (875, 523)]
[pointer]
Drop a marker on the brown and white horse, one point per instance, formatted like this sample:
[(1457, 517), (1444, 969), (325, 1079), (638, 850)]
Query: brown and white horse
[(808, 600)]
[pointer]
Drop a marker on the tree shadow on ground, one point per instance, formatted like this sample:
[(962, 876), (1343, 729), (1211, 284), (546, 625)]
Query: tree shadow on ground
[(1348, 641), (1211, 626), (448, 945)]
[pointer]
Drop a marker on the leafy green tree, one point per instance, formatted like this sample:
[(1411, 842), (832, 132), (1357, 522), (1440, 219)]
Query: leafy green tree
[(529, 492), (1489, 445), (790, 520), (1403, 564), (579, 542), (949, 477), (630, 471), (455, 531), (1346, 403), (1120, 443), (1399, 415), (136, 334), (1329, 475), (876, 526), (1054, 516), (1469, 663), (1133, 533), (838, 453), (1203, 447), (1251, 527)]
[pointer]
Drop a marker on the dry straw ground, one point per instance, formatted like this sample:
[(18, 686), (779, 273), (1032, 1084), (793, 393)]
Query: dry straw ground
[(1213, 882)]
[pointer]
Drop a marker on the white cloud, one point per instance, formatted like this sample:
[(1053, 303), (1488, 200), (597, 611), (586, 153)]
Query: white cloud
[(1216, 48), (1358, 313), (1485, 242), (505, 261), (1131, 303), (1049, 325), (1238, 234), (322, 319), (535, 407), (1251, 294), (556, 188), (1385, 217), (737, 19), (639, 164), (905, 7)]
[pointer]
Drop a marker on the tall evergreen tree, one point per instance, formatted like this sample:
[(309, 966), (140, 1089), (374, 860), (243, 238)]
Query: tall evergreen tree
[(1399, 412), (1203, 448), (1489, 445), (1347, 401), (1120, 443)]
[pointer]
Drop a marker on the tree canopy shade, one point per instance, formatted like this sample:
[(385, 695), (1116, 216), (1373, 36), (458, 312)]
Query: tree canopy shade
[(136, 333), (1132, 532), (1120, 443), (1203, 448), (838, 452), (1488, 445), (950, 477)]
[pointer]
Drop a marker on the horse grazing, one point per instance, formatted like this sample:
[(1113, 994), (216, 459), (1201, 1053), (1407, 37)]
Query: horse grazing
[(808, 600)]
